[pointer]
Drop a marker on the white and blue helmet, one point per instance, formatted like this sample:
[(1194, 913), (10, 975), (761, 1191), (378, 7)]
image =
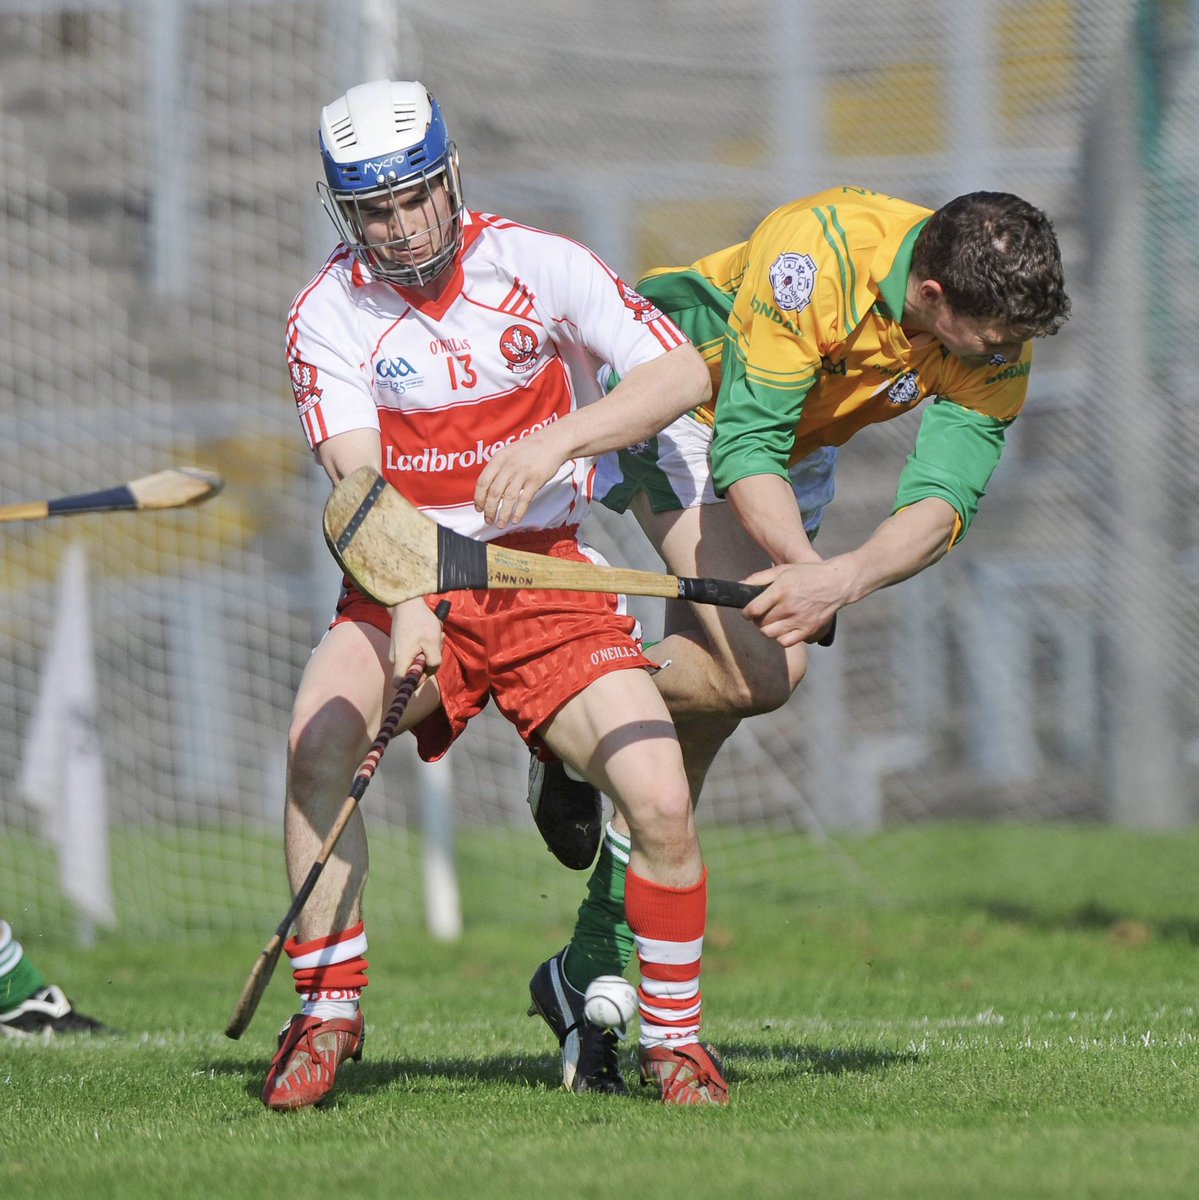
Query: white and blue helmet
[(379, 140)]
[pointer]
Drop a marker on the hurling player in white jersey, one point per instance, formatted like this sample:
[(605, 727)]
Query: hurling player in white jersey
[(431, 339)]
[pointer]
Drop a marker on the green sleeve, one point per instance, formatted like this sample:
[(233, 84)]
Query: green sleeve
[(956, 451), (755, 424)]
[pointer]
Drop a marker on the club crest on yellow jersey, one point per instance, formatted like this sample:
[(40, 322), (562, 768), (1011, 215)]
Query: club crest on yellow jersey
[(793, 278), (905, 389)]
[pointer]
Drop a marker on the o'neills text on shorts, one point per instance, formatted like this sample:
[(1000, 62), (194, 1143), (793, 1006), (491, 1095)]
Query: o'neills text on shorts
[(432, 459), (611, 653)]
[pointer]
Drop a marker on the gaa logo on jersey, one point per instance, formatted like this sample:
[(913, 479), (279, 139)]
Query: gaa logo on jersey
[(905, 390), (793, 277), (397, 375), (303, 384), (644, 310), (518, 344)]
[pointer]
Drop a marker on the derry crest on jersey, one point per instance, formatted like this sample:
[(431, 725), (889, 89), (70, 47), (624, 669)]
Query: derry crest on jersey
[(519, 344)]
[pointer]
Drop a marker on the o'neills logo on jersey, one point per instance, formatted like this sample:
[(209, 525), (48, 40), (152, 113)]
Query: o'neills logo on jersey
[(612, 653), (518, 344), (433, 459), (303, 385)]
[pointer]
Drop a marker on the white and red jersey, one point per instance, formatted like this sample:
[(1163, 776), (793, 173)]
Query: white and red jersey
[(512, 343)]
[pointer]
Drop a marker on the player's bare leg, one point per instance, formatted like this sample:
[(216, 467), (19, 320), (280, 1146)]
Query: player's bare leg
[(338, 705), (721, 668), (337, 711), (732, 669), (717, 668), (618, 732)]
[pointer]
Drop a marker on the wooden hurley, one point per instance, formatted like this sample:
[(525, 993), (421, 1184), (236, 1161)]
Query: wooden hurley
[(176, 487), (393, 552)]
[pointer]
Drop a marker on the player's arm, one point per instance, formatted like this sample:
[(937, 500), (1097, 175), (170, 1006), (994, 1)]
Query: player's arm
[(765, 505), (590, 311), (756, 416), (414, 628), (766, 376), (802, 598), (939, 491), (344, 453), (644, 402), (790, 310)]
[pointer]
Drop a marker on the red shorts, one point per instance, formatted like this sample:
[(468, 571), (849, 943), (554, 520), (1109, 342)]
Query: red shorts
[(530, 649)]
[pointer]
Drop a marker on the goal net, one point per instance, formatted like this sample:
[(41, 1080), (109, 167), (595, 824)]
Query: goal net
[(160, 213)]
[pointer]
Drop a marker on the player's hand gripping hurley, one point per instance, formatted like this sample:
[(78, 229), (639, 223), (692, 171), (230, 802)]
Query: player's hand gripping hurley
[(264, 967)]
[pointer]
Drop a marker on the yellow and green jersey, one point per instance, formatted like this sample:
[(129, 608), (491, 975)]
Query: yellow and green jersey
[(801, 328)]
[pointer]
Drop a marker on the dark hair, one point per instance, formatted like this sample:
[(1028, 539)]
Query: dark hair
[(995, 255)]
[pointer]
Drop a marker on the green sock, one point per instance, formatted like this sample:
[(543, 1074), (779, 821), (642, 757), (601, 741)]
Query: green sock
[(19, 978), (602, 943)]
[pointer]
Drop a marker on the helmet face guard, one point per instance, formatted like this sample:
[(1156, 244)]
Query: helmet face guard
[(380, 143)]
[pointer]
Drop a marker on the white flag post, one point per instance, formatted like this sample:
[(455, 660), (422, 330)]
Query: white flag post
[(443, 906), (62, 774)]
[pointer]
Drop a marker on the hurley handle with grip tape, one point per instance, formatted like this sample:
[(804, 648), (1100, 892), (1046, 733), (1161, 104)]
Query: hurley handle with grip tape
[(735, 595), (724, 592)]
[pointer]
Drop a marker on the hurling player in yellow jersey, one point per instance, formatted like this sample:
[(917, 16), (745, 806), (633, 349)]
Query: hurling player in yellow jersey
[(846, 309), (843, 309)]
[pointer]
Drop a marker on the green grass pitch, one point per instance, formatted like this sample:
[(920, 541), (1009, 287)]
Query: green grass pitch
[(994, 1011)]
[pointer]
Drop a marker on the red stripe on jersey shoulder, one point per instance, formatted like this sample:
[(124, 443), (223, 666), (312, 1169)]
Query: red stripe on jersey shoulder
[(495, 222), (314, 422), (519, 301), (339, 256), (662, 327), (524, 309), (667, 332)]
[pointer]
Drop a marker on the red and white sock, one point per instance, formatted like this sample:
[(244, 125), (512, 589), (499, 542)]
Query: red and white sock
[(330, 972), (668, 928)]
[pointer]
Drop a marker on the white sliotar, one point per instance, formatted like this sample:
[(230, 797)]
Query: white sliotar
[(610, 1002)]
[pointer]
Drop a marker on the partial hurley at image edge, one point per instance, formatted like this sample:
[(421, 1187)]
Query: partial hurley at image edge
[(175, 487)]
